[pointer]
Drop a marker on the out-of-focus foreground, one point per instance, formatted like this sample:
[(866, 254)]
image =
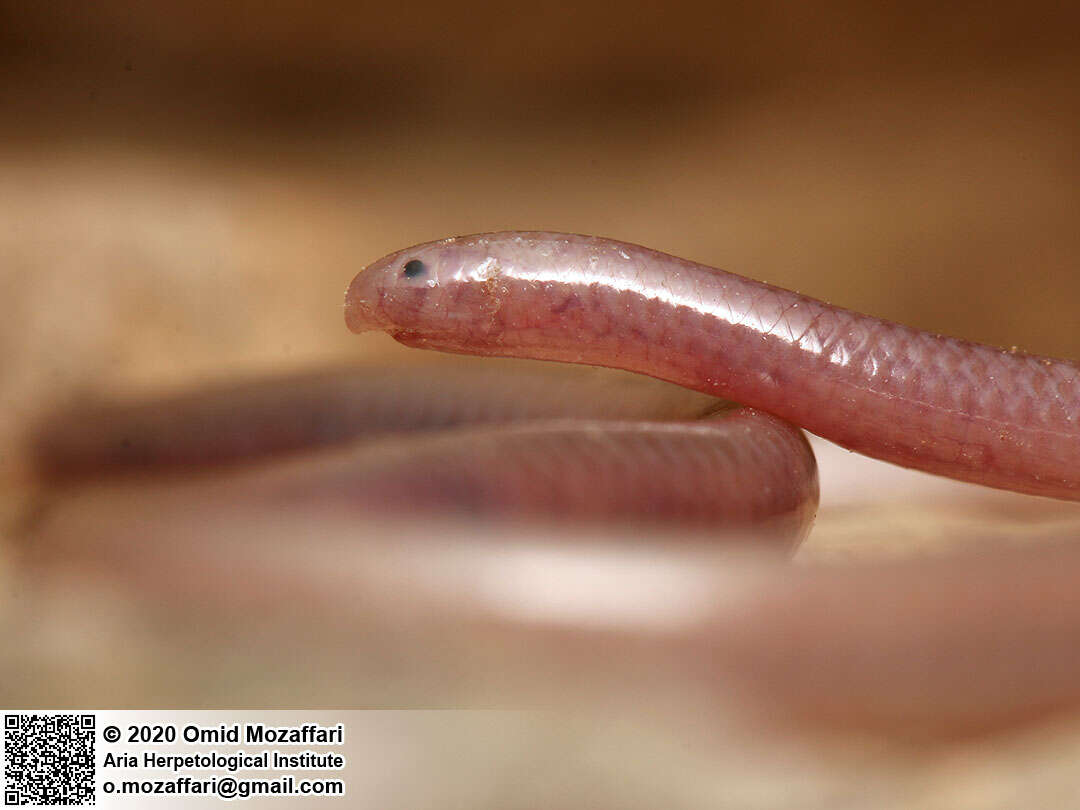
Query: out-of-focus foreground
[(186, 189)]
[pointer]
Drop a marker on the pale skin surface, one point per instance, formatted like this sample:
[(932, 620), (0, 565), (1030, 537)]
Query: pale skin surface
[(945, 406)]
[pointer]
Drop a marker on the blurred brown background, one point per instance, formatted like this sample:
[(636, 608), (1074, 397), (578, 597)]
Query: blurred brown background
[(186, 188)]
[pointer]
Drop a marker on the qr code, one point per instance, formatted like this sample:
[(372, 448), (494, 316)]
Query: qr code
[(49, 759)]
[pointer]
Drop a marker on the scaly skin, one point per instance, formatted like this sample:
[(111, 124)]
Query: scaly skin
[(934, 403)]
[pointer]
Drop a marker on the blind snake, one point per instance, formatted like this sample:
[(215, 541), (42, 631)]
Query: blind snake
[(941, 645)]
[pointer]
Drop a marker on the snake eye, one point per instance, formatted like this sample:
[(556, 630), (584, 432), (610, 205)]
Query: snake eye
[(414, 268)]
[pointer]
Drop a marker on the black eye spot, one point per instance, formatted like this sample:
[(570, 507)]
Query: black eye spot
[(414, 268)]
